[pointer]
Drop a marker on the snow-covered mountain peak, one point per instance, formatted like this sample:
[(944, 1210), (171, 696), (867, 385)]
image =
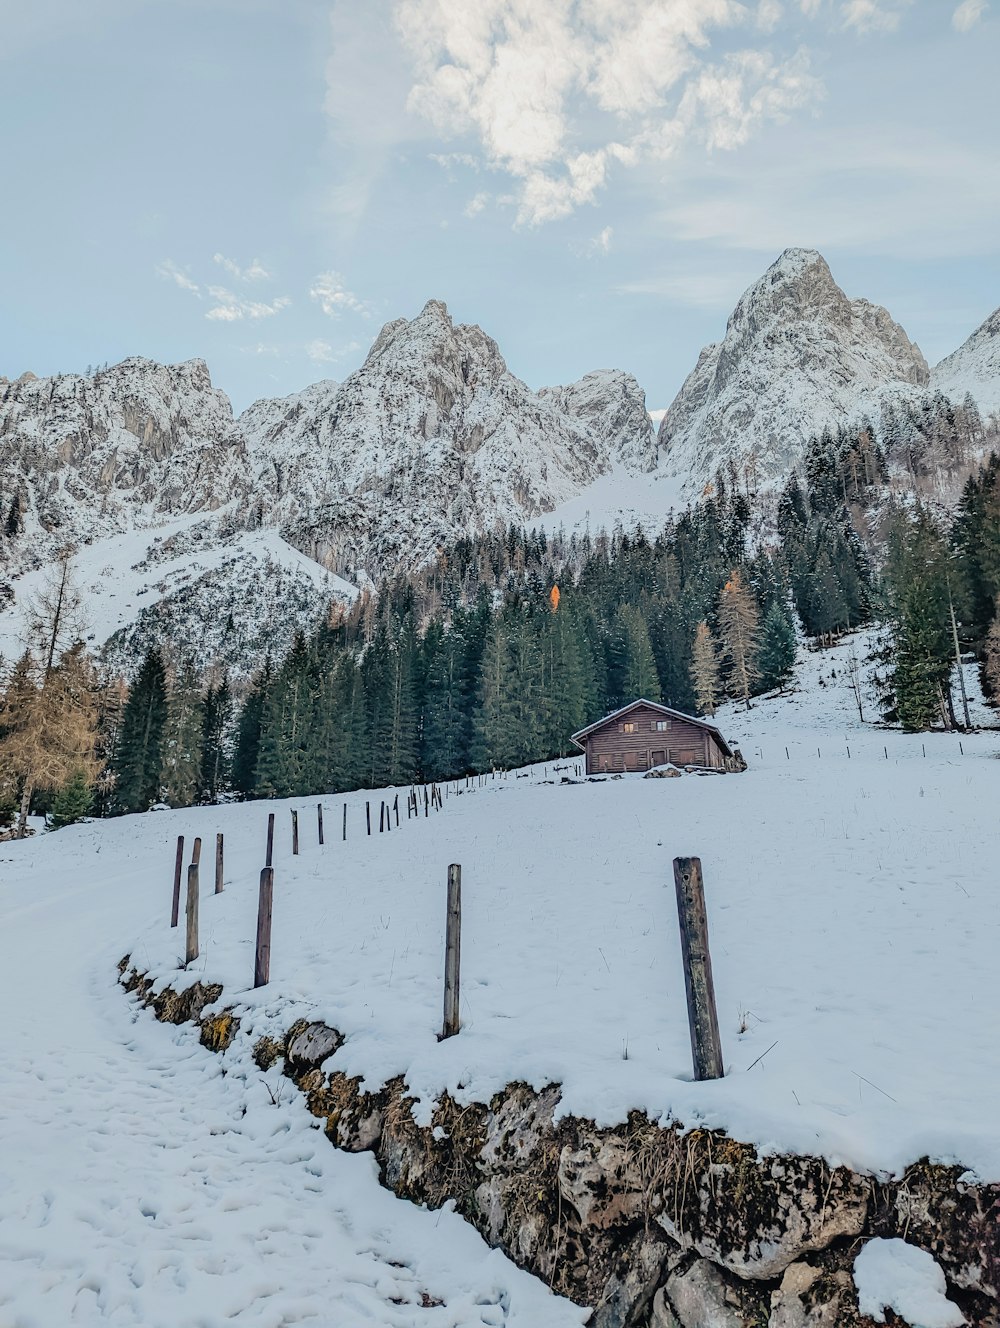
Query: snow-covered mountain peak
[(612, 405), (974, 368), (797, 355)]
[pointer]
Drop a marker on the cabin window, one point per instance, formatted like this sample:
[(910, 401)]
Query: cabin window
[(661, 725), (630, 728)]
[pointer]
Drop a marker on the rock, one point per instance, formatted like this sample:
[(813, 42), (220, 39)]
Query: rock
[(312, 1046), (797, 355), (630, 1292), (663, 772), (756, 1216), (602, 1182), (701, 1298), (807, 1298)]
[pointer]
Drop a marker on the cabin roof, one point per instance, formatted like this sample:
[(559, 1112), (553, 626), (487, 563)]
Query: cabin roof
[(661, 709)]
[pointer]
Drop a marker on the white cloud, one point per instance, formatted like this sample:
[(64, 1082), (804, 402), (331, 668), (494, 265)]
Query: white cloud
[(171, 272), (321, 352), (476, 204), (334, 298), (233, 308), (255, 272), (596, 246), (968, 14), (873, 15), (560, 93)]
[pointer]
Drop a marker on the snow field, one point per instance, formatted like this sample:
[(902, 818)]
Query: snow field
[(146, 1183), (853, 926), (854, 931)]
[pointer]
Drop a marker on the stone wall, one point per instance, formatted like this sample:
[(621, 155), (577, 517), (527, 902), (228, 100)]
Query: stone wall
[(653, 1226)]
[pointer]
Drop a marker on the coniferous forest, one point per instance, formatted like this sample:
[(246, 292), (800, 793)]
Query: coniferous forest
[(495, 653)]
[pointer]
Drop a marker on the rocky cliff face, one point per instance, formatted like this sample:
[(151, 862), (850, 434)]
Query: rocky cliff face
[(132, 445), (612, 407), (797, 355), (974, 368), (432, 438)]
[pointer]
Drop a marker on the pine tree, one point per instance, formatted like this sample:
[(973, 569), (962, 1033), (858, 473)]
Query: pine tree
[(180, 776), (73, 801), (992, 664), (739, 628), (917, 576), (445, 738), (138, 758), (248, 729), (632, 665), (705, 670), (777, 648), (213, 762)]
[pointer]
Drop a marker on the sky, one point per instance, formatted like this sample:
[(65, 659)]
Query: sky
[(264, 183)]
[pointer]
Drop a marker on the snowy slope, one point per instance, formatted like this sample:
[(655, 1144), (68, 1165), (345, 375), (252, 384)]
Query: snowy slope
[(974, 368), (797, 355), (145, 1185), (849, 879)]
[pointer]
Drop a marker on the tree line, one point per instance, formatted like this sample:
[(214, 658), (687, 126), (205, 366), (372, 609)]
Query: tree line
[(497, 651)]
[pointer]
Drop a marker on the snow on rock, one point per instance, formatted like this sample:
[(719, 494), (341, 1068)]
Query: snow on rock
[(127, 447), (974, 368), (612, 405), (797, 355), (432, 438), (892, 1275)]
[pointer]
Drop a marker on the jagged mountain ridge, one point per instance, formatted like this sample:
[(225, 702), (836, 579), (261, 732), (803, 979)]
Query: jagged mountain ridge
[(430, 439), (974, 368), (797, 355)]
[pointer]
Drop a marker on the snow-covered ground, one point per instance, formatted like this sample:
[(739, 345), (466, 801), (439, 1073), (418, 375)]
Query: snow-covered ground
[(123, 575), (852, 908), (146, 1184)]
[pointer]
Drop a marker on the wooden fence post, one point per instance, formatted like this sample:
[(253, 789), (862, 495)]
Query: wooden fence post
[(191, 939), (295, 833), (269, 858), (319, 820), (381, 817), (196, 853), (703, 1022), (218, 863), (452, 952), (368, 815), (262, 953), (345, 822), (395, 806), (175, 902)]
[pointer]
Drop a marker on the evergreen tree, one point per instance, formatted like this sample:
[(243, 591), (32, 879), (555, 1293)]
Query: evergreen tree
[(248, 729), (777, 648), (739, 628), (182, 738), (138, 757), (282, 760), (73, 801), (705, 670), (213, 763), (917, 575), (445, 737), (631, 664)]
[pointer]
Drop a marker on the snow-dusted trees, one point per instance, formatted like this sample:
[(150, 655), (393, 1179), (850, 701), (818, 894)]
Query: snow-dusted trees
[(705, 670), (739, 630)]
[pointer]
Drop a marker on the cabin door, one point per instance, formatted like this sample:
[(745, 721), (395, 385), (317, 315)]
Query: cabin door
[(658, 758)]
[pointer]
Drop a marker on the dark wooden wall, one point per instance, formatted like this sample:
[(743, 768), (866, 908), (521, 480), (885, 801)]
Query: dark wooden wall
[(610, 749)]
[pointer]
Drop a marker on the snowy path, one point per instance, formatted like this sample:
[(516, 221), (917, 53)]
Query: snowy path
[(140, 1184)]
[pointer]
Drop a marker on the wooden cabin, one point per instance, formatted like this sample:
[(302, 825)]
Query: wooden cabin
[(646, 734)]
